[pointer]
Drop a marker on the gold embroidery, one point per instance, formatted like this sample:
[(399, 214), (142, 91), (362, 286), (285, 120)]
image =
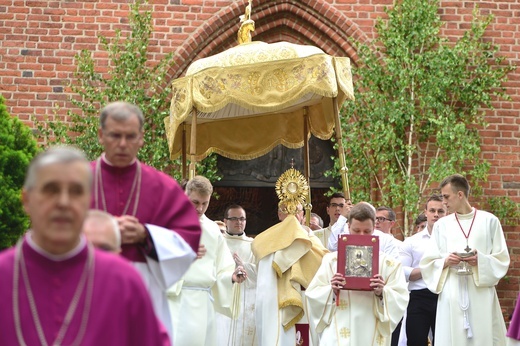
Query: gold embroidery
[(342, 304), (258, 79), (380, 340), (344, 332)]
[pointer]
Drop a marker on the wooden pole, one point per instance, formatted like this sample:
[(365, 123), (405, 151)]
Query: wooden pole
[(306, 164), (184, 169), (341, 151), (193, 143)]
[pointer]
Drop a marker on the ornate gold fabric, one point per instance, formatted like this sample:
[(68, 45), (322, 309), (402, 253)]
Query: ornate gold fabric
[(296, 261), (248, 99)]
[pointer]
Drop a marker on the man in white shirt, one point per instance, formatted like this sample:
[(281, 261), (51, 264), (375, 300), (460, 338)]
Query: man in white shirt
[(385, 219), (387, 243), (422, 307), (338, 205)]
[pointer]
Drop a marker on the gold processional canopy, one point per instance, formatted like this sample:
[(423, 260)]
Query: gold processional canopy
[(243, 102), (250, 98)]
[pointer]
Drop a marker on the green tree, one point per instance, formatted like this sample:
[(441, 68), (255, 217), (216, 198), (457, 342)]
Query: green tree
[(420, 102), (128, 77), (17, 148)]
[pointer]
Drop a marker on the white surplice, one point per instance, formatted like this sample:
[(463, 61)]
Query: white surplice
[(468, 310), (360, 318), (175, 257), (242, 330), (205, 289)]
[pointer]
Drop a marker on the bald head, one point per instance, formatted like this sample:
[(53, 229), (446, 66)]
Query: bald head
[(102, 230)]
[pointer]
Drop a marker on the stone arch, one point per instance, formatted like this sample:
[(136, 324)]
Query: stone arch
[(311, 22)]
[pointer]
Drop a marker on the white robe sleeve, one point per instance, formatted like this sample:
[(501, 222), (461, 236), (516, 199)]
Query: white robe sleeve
[(432, 263), (174, 254), (390, 310), (492, 266), (335, 230), (222, 290)]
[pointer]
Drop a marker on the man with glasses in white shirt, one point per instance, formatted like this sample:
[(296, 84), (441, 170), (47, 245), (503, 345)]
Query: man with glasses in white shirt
[(422, 307), (385, 219), (338, 205)]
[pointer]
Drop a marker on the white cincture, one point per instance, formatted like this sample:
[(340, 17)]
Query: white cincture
[(464, 304)]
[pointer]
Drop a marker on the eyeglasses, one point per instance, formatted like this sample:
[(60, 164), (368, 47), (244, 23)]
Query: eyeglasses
[(336, 205), (117, 137), (382, 219), (241, 219)]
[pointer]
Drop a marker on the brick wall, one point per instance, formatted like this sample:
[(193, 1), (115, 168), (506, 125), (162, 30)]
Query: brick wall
[(38, 41)]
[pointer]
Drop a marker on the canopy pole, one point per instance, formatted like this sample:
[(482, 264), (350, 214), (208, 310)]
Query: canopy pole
[(306, 164), (184, 169), (341, 151), (193, 144)]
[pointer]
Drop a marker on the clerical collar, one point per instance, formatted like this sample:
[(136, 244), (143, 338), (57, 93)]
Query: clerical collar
[(104, 158), (58, 258), (235, 235)]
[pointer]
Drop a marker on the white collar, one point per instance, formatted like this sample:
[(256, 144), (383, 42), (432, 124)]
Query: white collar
[(104, 158), (58, 258)]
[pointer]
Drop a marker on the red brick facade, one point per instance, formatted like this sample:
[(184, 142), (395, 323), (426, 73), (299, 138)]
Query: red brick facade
[(39, 38)]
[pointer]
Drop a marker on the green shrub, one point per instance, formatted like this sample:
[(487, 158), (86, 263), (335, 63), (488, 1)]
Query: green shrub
[(17, 148)]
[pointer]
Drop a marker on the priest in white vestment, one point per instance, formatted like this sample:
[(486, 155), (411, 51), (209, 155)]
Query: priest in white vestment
[(359, 317), (288, 257), (207, 287), (242, 330), (466, 259)]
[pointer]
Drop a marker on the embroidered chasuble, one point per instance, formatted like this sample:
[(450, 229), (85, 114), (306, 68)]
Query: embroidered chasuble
[(360, 318), (206, 288), (120, 312), (468, 310), (242, 330), (288, 259)]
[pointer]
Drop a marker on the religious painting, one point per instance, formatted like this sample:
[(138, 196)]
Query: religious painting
[(358, 260)]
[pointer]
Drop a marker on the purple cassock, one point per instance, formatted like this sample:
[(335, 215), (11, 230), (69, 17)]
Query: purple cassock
[(120, 311), (157, 200), (514, 327)]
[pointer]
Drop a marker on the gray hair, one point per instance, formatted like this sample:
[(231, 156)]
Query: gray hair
[(320, 220), (121, 111), (100, 216), (54, 155)]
